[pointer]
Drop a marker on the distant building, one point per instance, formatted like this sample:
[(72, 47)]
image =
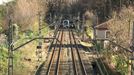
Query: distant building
[(102, 31)]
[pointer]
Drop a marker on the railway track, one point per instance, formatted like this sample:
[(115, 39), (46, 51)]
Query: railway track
[(73, 56), (65, 57), (80, 66), (54, 61)]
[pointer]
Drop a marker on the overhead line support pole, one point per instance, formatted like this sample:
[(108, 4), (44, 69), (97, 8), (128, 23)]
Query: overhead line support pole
[(132, 48), (10, 41), (10, 49), (39, 47)]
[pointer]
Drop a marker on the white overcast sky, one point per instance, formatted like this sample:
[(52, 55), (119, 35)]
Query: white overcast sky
[(1, 1)]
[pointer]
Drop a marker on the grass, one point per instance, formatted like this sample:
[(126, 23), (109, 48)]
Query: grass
[(115, 62)]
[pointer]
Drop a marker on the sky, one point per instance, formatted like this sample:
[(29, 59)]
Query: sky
[(1, 1)]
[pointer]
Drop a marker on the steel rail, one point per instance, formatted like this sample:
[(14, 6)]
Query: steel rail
[(52, 57), (59, 54), (81, 62), (72, 55), (50, 47)]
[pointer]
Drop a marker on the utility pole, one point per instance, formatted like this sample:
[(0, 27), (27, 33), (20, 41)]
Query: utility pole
[(78, 19), (50, 17), (110, 5), (120, 4), (132, 48), (83, 27), (95, 22), (10, 49), (39, 47), (10, 41), (78, 23)]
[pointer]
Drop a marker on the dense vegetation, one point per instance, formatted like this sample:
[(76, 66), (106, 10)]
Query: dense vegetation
[(25, 18), (26, 24)]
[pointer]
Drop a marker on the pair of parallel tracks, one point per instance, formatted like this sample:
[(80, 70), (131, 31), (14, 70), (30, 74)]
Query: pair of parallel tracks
[(54, 52), (82, 67), (54, 62)]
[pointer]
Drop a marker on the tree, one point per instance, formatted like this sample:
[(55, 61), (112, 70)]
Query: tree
[(25, 11)]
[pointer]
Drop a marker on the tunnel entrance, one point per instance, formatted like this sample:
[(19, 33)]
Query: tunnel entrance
[(59, 11)]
